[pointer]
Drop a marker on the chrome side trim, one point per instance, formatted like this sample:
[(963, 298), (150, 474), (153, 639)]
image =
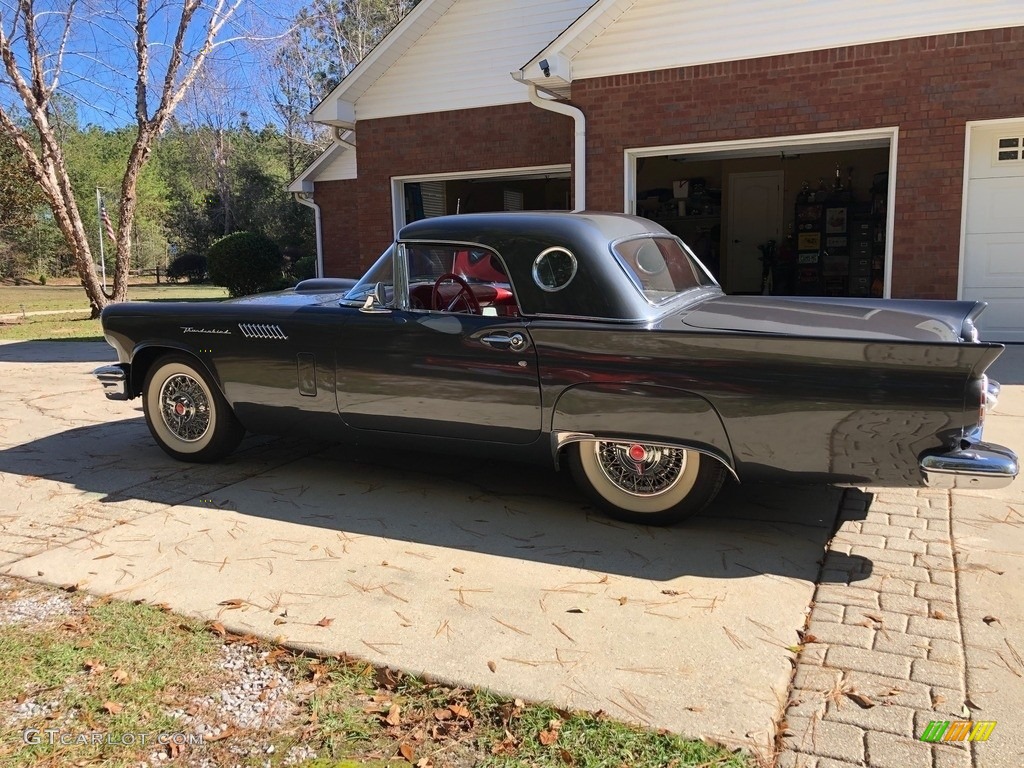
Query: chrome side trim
[(561, 439), (262, 331), (982, 465), (114, 379)]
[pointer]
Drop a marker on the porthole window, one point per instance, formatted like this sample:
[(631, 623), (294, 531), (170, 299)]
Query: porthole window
[(649, 259), (554, 269)]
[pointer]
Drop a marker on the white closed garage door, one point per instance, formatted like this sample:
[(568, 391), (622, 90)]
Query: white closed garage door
[(993, 268)]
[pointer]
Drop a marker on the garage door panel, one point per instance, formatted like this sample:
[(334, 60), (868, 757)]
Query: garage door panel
[(984, 162), (995, 205), (994, 261), (993, 264)]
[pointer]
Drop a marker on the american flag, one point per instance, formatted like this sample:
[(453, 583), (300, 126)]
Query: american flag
[(106, 223)]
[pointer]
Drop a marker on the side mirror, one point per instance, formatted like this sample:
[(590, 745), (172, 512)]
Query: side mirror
[(374, 303)]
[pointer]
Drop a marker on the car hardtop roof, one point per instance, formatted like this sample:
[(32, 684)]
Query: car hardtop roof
[(491, 228)]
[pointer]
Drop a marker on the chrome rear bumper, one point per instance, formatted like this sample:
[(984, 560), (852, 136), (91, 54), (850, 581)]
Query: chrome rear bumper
[(981, 466), (992, 390), (114, 379)]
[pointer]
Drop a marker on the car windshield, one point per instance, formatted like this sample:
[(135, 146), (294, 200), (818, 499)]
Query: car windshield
[(661, 267), (383, 271), (426, 265)]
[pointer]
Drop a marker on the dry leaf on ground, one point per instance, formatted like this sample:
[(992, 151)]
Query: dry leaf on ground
[(394, 715), (862, 701)]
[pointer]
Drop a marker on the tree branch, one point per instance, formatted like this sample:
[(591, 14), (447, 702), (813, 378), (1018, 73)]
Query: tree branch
[(142, 55), (35, 59), (58, 67)]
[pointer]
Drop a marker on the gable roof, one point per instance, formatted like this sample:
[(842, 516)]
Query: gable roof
[(337, 162), (389, 50), (446, 55), (558, 54), (615, 37)]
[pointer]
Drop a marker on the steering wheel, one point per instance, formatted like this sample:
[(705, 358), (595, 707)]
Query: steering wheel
[(465, 295)]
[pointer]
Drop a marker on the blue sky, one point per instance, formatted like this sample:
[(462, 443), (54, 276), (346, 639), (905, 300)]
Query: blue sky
[(99, 65)]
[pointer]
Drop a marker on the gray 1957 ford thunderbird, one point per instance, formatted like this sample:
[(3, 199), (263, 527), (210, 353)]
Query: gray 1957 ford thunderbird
[(593, 341)]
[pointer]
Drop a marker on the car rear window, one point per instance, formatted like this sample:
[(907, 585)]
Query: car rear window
[(661, 267)]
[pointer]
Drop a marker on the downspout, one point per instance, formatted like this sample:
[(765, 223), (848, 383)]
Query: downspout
[(579, 138), (345, 137), (306, 199)]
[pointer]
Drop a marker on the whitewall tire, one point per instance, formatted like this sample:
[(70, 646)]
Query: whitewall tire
[(185, 412), (645, 483)]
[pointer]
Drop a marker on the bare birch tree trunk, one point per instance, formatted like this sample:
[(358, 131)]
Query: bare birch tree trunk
[(33, 67)]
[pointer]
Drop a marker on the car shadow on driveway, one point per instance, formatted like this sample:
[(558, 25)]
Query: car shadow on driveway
[(56, 352), (509, 510)]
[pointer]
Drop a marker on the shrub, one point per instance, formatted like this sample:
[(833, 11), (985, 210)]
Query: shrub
[(304, 268), (244, 263), (42, 279), (191, 266)]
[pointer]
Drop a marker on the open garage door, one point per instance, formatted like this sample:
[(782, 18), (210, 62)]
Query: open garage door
[(544, 188), (799, 215), (993, 249)]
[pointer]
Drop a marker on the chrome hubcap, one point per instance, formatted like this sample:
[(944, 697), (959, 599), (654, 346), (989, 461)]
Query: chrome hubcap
[(185, 408), (638, 469)]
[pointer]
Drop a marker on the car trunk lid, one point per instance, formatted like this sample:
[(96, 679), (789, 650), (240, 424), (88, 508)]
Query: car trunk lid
[(845, 318)]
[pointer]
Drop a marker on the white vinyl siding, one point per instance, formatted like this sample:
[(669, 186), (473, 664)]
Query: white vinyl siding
[(466, 59), (665, 34), (340, 168)]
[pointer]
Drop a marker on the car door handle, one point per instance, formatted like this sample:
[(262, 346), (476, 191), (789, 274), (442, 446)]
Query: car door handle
[(513, 341)]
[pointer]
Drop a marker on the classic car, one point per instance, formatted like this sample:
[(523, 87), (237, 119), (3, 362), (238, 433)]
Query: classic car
[(596, 341)]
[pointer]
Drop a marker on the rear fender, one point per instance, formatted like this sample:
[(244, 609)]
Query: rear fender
[(643, 413)]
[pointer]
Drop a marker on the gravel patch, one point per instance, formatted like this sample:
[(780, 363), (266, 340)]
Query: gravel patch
[(256, 695), (251, 696), (35, 609)]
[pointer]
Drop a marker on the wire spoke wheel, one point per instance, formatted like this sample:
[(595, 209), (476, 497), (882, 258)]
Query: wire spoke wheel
[(186, 413), (185, 407), (651, 484), (640, 470)]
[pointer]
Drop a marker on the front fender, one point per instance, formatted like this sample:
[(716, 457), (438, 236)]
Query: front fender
[(642, 412), (145, 354)]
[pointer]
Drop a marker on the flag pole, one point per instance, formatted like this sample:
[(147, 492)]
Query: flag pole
[(99, 221)]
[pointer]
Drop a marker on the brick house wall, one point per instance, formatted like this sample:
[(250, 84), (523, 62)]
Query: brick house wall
[(929, 87), (339, 227), (509, 136)]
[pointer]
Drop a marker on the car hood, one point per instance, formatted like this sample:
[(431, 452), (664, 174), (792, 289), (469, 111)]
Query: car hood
[(846, 318)]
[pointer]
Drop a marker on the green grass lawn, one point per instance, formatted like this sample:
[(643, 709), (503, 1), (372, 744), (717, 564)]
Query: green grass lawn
[(94, 665), (37, 298), (76, 325)]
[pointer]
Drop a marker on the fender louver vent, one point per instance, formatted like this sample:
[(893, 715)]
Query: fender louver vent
[(259, 331)]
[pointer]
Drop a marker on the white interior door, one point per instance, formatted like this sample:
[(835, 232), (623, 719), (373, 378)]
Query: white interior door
[(753, 217), (994, 233)]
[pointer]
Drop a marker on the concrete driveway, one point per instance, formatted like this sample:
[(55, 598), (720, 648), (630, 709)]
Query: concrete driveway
[(477, 573)]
